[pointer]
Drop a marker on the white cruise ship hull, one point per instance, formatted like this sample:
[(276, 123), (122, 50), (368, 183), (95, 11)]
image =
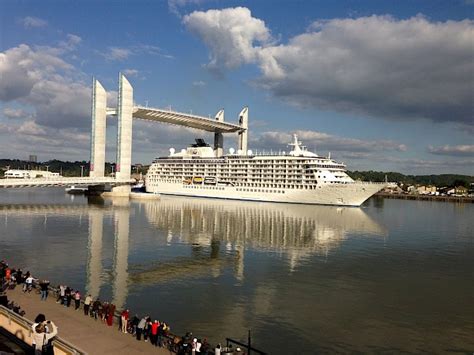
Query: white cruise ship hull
[(353, 194)]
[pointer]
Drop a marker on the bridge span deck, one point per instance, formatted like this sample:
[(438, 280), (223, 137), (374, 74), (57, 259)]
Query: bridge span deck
[(64, 181)]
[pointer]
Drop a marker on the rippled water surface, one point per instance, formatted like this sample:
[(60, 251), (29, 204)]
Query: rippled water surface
[(391, 276)]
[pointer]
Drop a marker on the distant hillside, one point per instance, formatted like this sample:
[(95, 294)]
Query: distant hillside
[(437, 180)]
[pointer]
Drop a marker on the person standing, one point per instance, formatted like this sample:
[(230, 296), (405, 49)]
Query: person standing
[(217, 350), (124, 317), (77, 300), (154, 333), (40, 318), (147, 330), (111, 314), (28, 283), (44, 287), (96, 306), (141, 327), (68, 297), (105, 312), (41, 337), (62, 292), (87, 304)]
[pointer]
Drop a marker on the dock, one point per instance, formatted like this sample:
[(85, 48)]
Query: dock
[(457, 199), (91, 336)]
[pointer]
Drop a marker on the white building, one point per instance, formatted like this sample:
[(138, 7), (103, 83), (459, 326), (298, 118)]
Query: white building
[(29, 174)]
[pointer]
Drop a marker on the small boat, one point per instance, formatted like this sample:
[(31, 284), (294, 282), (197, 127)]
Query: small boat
[(76, 190), (139, 186), (198, 180)]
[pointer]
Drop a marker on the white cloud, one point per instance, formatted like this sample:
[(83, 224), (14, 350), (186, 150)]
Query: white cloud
[(30, 128), (121, 53), (22, 67), (130, 72), (71, 42), (376, 66), (175, 5), (40, 78), (199, 83), (16, 113), (323, 142), (116, 53), (33, 22), (456, 150), (231, 35)]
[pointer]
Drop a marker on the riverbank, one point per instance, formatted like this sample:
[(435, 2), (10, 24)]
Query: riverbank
[(457, 199), (92, 336)]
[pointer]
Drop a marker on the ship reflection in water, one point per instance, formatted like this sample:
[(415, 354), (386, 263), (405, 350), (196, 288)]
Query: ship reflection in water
[(218, 231), (295, 231)]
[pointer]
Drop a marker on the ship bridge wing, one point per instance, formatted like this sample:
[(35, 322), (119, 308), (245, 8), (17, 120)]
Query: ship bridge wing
[(182, 119)]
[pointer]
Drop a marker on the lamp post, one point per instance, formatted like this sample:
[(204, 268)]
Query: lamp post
[(82, 170)]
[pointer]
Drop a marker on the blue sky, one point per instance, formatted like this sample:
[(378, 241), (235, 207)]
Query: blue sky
[(382, 85)]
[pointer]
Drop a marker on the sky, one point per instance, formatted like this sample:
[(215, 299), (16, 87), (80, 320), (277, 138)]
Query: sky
[(380, 85)]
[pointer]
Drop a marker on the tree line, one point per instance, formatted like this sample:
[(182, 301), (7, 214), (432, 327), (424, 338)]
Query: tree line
[(442, 180), (73, 168)]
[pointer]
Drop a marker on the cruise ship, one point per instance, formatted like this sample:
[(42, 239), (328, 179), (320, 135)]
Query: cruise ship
[(299, 176)]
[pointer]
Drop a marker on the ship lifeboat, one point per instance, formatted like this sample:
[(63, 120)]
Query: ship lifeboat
[(210, 180), (198, 180)]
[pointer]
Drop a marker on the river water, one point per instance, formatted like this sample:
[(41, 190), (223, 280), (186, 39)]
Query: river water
[(392, 276)]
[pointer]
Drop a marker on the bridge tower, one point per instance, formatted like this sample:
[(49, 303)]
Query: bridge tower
[(219, 136), (124, 137), (244, 134), (99, 108)]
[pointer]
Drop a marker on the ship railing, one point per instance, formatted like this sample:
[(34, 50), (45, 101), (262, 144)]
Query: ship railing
[(370, 182)]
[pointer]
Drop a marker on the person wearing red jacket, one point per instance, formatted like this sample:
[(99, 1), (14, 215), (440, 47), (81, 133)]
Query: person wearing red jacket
[(154, 332), (124, 318)]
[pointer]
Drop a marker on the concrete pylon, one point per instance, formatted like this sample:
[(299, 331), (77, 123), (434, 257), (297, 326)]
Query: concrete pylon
[(124, 137), (99, 107), (244, 135), (94, 263), (218, 136), (120, 264)]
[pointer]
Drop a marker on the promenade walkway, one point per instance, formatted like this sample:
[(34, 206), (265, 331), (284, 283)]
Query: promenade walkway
[(92, 336)]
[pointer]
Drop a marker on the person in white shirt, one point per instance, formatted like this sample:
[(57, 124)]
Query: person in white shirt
[(87, 304), (41, 337), (28, 284)]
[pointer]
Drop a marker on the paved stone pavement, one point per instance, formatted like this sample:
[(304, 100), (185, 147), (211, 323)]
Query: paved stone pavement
[(94, 337)]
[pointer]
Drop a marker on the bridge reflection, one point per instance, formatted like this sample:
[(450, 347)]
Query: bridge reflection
[(218, 233)]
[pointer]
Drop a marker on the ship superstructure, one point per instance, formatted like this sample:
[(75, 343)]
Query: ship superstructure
[(299, 176)]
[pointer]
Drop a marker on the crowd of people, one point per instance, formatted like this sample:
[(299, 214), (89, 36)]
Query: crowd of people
[(150, 330)]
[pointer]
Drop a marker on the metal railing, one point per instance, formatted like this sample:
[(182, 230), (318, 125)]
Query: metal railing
[(247, 346)]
